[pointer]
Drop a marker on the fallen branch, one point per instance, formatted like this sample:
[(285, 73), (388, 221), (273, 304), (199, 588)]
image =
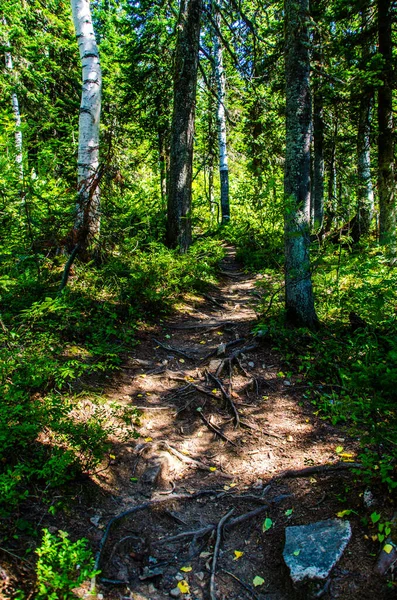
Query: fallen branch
[(174, 350), (188, 460), (216, 430), (216, 551), (213, 300), (227, 346)]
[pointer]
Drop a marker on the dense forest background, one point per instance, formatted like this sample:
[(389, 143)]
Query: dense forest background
[(73, 294)]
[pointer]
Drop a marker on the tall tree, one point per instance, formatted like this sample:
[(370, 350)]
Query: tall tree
[(87, 221), (386, 181), (15, 106), (298, 286), (220, 79), (182, 129)]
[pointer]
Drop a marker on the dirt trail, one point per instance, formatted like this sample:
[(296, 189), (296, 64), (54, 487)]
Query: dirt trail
[(195, 377)]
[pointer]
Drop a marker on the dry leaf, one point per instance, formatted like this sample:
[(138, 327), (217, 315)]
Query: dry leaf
[(186, 569), (237, 554), (184, 586)]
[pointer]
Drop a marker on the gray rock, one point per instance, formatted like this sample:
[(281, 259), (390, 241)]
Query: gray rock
[(175, 593), (311, 551)]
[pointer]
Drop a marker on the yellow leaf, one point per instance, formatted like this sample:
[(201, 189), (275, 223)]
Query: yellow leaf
[(219, 333), (112, 456), (142, 375), (181, 360), (343, 513), (187, 569), (139, 395), (346, 455), (212, 468), (185, 452), (237, 554), (374, 538), (184, 586), (214, 391), (203, 342), (313, 480), (226, 487), (387, 548), (233, 484), (148, 439)]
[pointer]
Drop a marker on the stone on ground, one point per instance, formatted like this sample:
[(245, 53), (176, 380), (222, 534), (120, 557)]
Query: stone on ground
[(311, 551)]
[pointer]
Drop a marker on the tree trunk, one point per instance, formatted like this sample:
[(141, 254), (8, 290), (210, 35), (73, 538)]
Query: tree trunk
[(15, 110), (182, 131), (298, 286), (220, 79), (365, 192), (386, 182), (87, 223), (318, 140)]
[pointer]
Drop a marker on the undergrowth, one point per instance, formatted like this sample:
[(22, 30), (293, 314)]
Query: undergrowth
[(51, 344), (349, 366)]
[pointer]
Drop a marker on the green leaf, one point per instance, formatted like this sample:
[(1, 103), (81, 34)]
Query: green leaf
[(258, 581), (267, 524), (375, 517), (289, 512)]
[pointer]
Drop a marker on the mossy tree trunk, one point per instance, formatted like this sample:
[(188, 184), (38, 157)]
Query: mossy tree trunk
[(298, 286)]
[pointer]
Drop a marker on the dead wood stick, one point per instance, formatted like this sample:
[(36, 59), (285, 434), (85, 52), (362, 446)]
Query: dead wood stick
[(227, 398), (204, 391), (227, 346), (216, 551), (213, 300), (234, 358), (173, 349), (190, 461), (316, 470), (216, 430), (244, 585)]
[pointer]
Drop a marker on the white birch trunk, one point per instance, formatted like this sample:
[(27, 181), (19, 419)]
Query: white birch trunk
[(87, 222), (15, 110), (220, 80)]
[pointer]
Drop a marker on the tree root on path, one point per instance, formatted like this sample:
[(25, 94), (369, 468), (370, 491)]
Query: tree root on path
[(216, 551), (316, 470)]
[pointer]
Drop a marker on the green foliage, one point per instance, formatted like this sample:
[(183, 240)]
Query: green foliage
[(62, 566), (349, 373)]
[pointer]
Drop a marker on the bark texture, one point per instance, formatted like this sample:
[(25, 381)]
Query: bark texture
[(298, 286), (87, 223), (182, 131), (220, 79), (386, 181)]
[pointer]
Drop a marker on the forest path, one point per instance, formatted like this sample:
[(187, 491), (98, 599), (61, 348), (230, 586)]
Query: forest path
[(195, 378)]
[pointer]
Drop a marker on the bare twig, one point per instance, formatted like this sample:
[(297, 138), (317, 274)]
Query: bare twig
[(216, 430), (173, 349), (216, 551), (244, 585)]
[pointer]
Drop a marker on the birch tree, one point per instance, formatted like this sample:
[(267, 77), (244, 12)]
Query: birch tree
[(182, 130), (220, 80), (87, 223), (15, 106), (298, 286)]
